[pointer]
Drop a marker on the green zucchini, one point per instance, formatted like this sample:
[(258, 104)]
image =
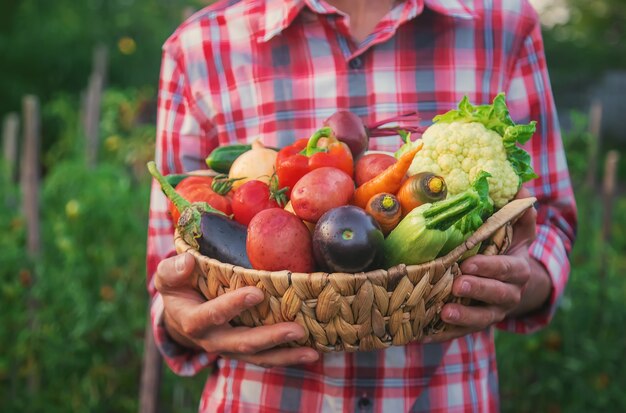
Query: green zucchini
[(222, 157), (174, 179)]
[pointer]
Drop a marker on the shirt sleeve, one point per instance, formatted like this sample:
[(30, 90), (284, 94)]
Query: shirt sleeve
[(529, 97), (182, 142)]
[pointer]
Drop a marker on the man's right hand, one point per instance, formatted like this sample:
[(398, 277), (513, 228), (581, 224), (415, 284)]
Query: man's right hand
[(196, 323)]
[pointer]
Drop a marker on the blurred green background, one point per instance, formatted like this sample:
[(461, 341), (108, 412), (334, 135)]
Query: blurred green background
[(72, 320)]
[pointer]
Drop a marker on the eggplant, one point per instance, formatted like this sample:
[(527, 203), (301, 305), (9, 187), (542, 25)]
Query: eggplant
[(221, 238), (205, 228), (347, 239)]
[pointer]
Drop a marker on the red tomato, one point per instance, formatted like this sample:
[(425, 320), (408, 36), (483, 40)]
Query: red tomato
[(194, 180), (198, 189), (291, 169), (370, 165), (250, 199)]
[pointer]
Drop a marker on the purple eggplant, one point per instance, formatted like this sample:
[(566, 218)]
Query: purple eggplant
[(347, 239), (205, 228)]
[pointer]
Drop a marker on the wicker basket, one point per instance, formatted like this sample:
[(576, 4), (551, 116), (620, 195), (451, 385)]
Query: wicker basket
[(357, 312)]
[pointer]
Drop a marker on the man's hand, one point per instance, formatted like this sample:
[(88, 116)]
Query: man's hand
[(504, 285), (197, 323)]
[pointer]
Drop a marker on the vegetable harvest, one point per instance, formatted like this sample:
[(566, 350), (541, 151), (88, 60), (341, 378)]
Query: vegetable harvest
[(321, 204)]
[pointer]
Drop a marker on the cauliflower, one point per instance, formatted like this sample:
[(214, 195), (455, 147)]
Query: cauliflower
[(459, 151), (463, 142)]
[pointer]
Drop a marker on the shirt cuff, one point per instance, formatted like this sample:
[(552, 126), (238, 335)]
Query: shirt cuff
[(549, 250), (181, 360)]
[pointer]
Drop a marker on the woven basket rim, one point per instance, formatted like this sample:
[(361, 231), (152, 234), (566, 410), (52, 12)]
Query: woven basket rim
[(507, 214)]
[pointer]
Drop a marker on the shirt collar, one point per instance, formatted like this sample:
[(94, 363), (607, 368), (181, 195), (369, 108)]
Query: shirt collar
[(279, 14)]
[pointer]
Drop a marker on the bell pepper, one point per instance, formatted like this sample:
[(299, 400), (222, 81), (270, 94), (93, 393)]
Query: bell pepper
[(305, 155)]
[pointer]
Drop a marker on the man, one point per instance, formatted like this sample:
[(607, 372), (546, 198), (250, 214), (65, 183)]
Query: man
[(275, 69)]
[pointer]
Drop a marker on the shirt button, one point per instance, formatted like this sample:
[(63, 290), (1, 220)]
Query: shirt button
[(356, 63), (364, 404)]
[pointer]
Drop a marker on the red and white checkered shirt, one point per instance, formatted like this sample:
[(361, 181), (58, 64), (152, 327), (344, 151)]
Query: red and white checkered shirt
[(275, 69)]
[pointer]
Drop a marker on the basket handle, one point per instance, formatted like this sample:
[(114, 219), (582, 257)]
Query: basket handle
[(508, 213)]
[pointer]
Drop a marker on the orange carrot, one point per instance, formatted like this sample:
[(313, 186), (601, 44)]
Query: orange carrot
[(419, 189), (386, 210), (388, 180)]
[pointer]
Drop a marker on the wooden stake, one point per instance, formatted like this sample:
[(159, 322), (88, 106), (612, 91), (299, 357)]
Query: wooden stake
[(29, 181), (92, 119), (608, 193), (93, 101), (150, 373), (595, 130), (30, 173), (10, 130)]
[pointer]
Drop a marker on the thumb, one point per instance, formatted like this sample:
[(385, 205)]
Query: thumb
[(525, 228), (174, 273), (523, 193)]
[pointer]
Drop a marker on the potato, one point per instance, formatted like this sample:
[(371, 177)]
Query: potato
[(319, 191), (278, 240)]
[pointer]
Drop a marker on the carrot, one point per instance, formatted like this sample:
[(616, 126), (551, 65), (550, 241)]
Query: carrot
[(385, 209), (419, 189), (388, 180)]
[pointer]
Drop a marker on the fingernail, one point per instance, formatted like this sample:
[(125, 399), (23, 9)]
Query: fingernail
[(291, 336), (252, 299), (309, 358), (465, 287), (179, 264), (453, 315)]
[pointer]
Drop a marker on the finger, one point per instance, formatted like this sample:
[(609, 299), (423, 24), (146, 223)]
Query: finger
[(505, 268), (279, 357), (476, 318), (246, 340), (218, 311), (174, 273), (523, 193), (451, 332), (525, 228), (487, 290)]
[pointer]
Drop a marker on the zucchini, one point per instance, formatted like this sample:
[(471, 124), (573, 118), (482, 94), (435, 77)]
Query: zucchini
[(222, 157)]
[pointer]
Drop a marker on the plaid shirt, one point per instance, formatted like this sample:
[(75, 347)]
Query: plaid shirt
[(275, 69)]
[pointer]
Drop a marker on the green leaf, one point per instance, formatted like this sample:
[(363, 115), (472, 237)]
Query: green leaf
[(483, 209), (407, 146), (496, 117)]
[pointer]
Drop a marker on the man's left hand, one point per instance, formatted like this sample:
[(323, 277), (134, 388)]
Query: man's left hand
[(499, 286)]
